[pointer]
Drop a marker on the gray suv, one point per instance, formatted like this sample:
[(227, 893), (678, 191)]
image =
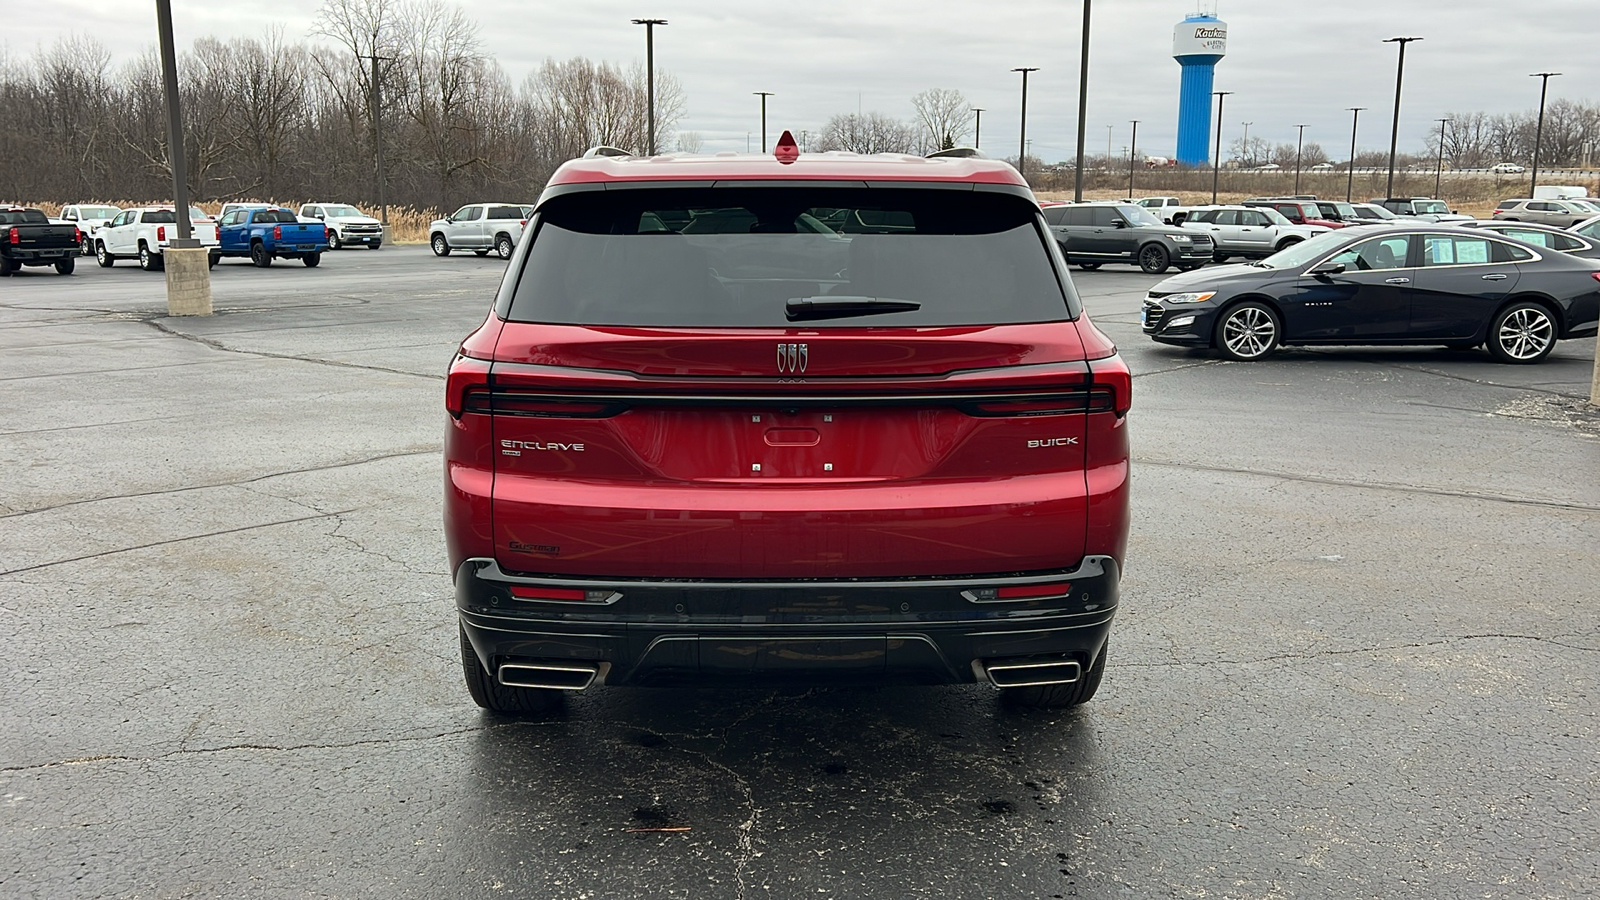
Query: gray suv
[(1091, 234)]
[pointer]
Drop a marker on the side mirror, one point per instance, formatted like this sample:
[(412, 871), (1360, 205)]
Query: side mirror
[(320, 218), (1119, 223), (1327, 268)]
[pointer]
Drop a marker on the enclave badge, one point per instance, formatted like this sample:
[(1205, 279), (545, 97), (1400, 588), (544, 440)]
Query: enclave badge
[(793, 357)]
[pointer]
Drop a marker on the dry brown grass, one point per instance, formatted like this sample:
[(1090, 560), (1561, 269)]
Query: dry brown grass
[(408, 225)]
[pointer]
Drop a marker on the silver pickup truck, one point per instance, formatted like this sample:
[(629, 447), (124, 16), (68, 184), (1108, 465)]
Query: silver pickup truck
[(479, 227)]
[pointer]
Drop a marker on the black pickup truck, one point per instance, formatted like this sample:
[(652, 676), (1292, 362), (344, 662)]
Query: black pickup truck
[(29, 238)]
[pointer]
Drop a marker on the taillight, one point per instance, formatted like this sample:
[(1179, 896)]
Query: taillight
[(1594, 275), (77, 235), (277, 232), (562, 595), (466, 375), (1112, 375), (1018, 592), (15, 236), (523, 223), (1076, 400), (161, 232), (512, 403)]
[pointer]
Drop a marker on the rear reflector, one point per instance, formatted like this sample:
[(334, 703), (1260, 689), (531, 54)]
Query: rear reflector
[(1018, 592), (523, 592)]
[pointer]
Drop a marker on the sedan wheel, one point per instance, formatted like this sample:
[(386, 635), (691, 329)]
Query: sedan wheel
[(1088, 267), (1219, 257), (1522, 333), (1154, 259), (1248, 332), (441, 247)]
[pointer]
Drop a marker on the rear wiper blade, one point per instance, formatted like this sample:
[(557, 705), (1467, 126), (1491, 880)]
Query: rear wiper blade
[(839, 306)]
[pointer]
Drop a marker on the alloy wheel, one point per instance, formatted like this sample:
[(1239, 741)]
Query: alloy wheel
[(1525, 334), (1249, 332)]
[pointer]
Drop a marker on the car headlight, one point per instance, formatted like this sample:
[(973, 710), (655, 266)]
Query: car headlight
[(1200, 297), (1182, 238)]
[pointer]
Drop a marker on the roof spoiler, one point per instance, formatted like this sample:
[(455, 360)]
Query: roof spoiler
[(603, 150), (957, 153)]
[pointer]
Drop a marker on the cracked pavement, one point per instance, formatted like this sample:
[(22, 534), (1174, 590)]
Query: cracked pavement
[(1357, 655)]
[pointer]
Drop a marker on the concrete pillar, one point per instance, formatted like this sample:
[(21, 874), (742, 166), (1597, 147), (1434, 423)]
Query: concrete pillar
[(188, 281)]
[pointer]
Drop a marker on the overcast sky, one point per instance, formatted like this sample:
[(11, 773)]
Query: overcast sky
[(1289, 61)]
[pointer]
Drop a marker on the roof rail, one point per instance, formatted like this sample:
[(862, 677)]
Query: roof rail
[(957, 153), (603, 150)]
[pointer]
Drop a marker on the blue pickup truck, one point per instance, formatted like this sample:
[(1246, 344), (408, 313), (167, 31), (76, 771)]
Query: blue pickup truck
[(263, 235)]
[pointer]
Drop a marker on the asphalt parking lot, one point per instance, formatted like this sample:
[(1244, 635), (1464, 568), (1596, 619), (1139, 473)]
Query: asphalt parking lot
[(1358, 653)]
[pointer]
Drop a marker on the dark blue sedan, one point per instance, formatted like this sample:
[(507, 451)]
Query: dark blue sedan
[(1375, 284)]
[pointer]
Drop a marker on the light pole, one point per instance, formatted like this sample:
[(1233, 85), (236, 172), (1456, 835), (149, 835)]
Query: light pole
[(1394, 130), (1299, 143), (1350, 167), (650, 78), (763, 95), (1083, 105), (1538, 133), (977, 130), (377, 132), (1108, 145), (188, 278), (1216, 161), (1244, 145), (1438, 174), (1133, 151), (1022, 140)]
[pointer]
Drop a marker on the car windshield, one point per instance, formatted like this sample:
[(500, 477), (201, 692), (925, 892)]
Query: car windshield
[(1273, 216), (763, 257), (346, 211), (1369, 211), (1430, 207), (1304, 252), (1138, 215), (196, 213), (1345, 210), (97, 212)]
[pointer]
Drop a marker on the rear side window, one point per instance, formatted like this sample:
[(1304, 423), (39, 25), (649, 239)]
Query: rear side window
[(505, 212), (747, 257), (1055, 215)]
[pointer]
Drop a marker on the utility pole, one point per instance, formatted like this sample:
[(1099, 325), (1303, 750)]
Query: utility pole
[(1538, 133), (763, 95), (650, 78), (1108, 145), (186, 262), (1350, 168), (1022, 141), (977, 130), (377, 133), (1438, 173), (1133, 151), (1299, 144), (1244, 146), (1394, 130), (1216, 162), (1083, 104)]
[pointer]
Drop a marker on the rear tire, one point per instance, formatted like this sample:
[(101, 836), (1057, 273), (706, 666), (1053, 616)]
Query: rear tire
[(375, 245), (312, 260), (441, 247), (101, 257), (1287, 243), (496, 697), (1248, 332), (480, 253), (259, 257), (1219, 257), (66, 266), (7, 266), (148, 261), (1060, 696), (1522, 333), (503, 246), (1154, 259)]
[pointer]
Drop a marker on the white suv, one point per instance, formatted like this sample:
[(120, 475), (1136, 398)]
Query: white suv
[(346, 225), (1249, 231), (479, 227)]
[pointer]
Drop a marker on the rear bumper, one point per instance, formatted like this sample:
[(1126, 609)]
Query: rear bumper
[(912, 630), (50, 255)]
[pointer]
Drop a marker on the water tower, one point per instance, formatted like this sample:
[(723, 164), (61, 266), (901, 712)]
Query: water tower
[(1198, 44)]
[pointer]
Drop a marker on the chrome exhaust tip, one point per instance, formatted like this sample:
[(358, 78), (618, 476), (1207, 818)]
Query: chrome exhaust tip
[(1030, 673), (548, 676)]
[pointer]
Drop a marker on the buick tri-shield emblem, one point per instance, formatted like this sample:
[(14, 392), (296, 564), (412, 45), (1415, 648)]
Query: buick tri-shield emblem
[(792, 357)]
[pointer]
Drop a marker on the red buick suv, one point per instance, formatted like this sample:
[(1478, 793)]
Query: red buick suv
[(827, 419)]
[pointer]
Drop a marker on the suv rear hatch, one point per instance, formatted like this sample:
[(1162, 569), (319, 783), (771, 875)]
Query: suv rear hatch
[(712, 383)]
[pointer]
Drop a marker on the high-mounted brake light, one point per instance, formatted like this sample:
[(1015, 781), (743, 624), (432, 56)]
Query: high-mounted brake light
[(787, 151)]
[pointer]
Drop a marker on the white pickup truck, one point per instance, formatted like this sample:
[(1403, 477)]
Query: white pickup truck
[(145, 232), (88, 217), (347, 226)]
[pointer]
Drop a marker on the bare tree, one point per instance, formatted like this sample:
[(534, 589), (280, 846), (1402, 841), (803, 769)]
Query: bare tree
[(690, 142), (945, 117), (870, 133)]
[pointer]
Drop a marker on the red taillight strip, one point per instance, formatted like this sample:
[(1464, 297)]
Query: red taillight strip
[(523, 592), (1022, 591)]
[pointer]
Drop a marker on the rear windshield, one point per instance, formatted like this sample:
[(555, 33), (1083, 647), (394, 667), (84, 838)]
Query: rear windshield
[(23, 217), (275, 216), (753, 256), (159, 217)]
